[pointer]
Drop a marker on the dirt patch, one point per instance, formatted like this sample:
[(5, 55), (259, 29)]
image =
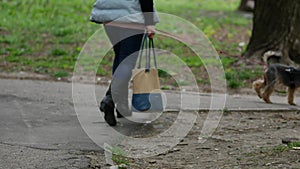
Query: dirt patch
[(242, 140)]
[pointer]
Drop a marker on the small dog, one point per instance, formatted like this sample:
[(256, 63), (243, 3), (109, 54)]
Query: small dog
[(278, 73)]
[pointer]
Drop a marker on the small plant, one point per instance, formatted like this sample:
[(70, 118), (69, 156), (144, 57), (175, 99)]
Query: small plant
[(234, 84), (58, 52), (225, 111), (165, 87), (60, 74), (281, 148), (281, 92), (13, 58), (289, 146), (62, 32), (102, 72), (119, 160), (294, 144), (239, 77), (119, 156), (227, 61), (163, 74)]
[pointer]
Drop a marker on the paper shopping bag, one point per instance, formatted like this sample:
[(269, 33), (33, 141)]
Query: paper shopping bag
[(146, 90), (146, 87)]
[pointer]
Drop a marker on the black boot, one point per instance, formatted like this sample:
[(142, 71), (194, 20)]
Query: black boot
[(108, 107)]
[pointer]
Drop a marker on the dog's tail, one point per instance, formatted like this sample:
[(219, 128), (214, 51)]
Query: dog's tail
[(271, 55)]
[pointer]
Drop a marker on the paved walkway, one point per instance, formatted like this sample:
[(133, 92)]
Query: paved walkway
[(41, 114)]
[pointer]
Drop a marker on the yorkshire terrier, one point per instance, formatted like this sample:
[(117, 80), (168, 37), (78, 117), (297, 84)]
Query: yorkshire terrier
[(278, 73)]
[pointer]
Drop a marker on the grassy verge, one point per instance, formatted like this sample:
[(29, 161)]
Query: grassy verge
[(46, 36)]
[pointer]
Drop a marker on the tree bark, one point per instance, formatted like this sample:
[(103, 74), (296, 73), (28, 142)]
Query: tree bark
[(276, 27), (246, 6)]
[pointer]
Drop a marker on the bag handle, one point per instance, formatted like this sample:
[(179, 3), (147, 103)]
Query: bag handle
[(151, 45), (144, 41), (148, 45)]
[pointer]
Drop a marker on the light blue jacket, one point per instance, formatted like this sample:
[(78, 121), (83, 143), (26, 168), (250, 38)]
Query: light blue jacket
[(127, 11)]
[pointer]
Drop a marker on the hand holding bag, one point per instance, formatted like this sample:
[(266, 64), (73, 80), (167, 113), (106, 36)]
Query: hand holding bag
[(146, 86)]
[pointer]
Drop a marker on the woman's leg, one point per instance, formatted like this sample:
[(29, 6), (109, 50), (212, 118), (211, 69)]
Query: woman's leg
[(126, 42), (107, 104), (128, 53)]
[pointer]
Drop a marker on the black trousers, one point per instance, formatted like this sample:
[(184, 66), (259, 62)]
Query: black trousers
[(126, 45)]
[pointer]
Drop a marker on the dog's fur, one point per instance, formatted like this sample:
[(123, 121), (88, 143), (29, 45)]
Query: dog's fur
[(278, 73)]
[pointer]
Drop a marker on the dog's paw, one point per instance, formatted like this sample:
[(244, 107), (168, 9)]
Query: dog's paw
[(292, 103), (268, 101)]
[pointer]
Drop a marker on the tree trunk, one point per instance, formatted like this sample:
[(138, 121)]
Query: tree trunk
[(276, 27), (246, 6)]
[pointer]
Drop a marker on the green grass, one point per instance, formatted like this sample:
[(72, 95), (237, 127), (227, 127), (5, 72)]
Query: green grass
[(119, 156), (43, 35), (282, 148), (46, 36), (294, 144), (274, 151), (239, 77), (170, 6)]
